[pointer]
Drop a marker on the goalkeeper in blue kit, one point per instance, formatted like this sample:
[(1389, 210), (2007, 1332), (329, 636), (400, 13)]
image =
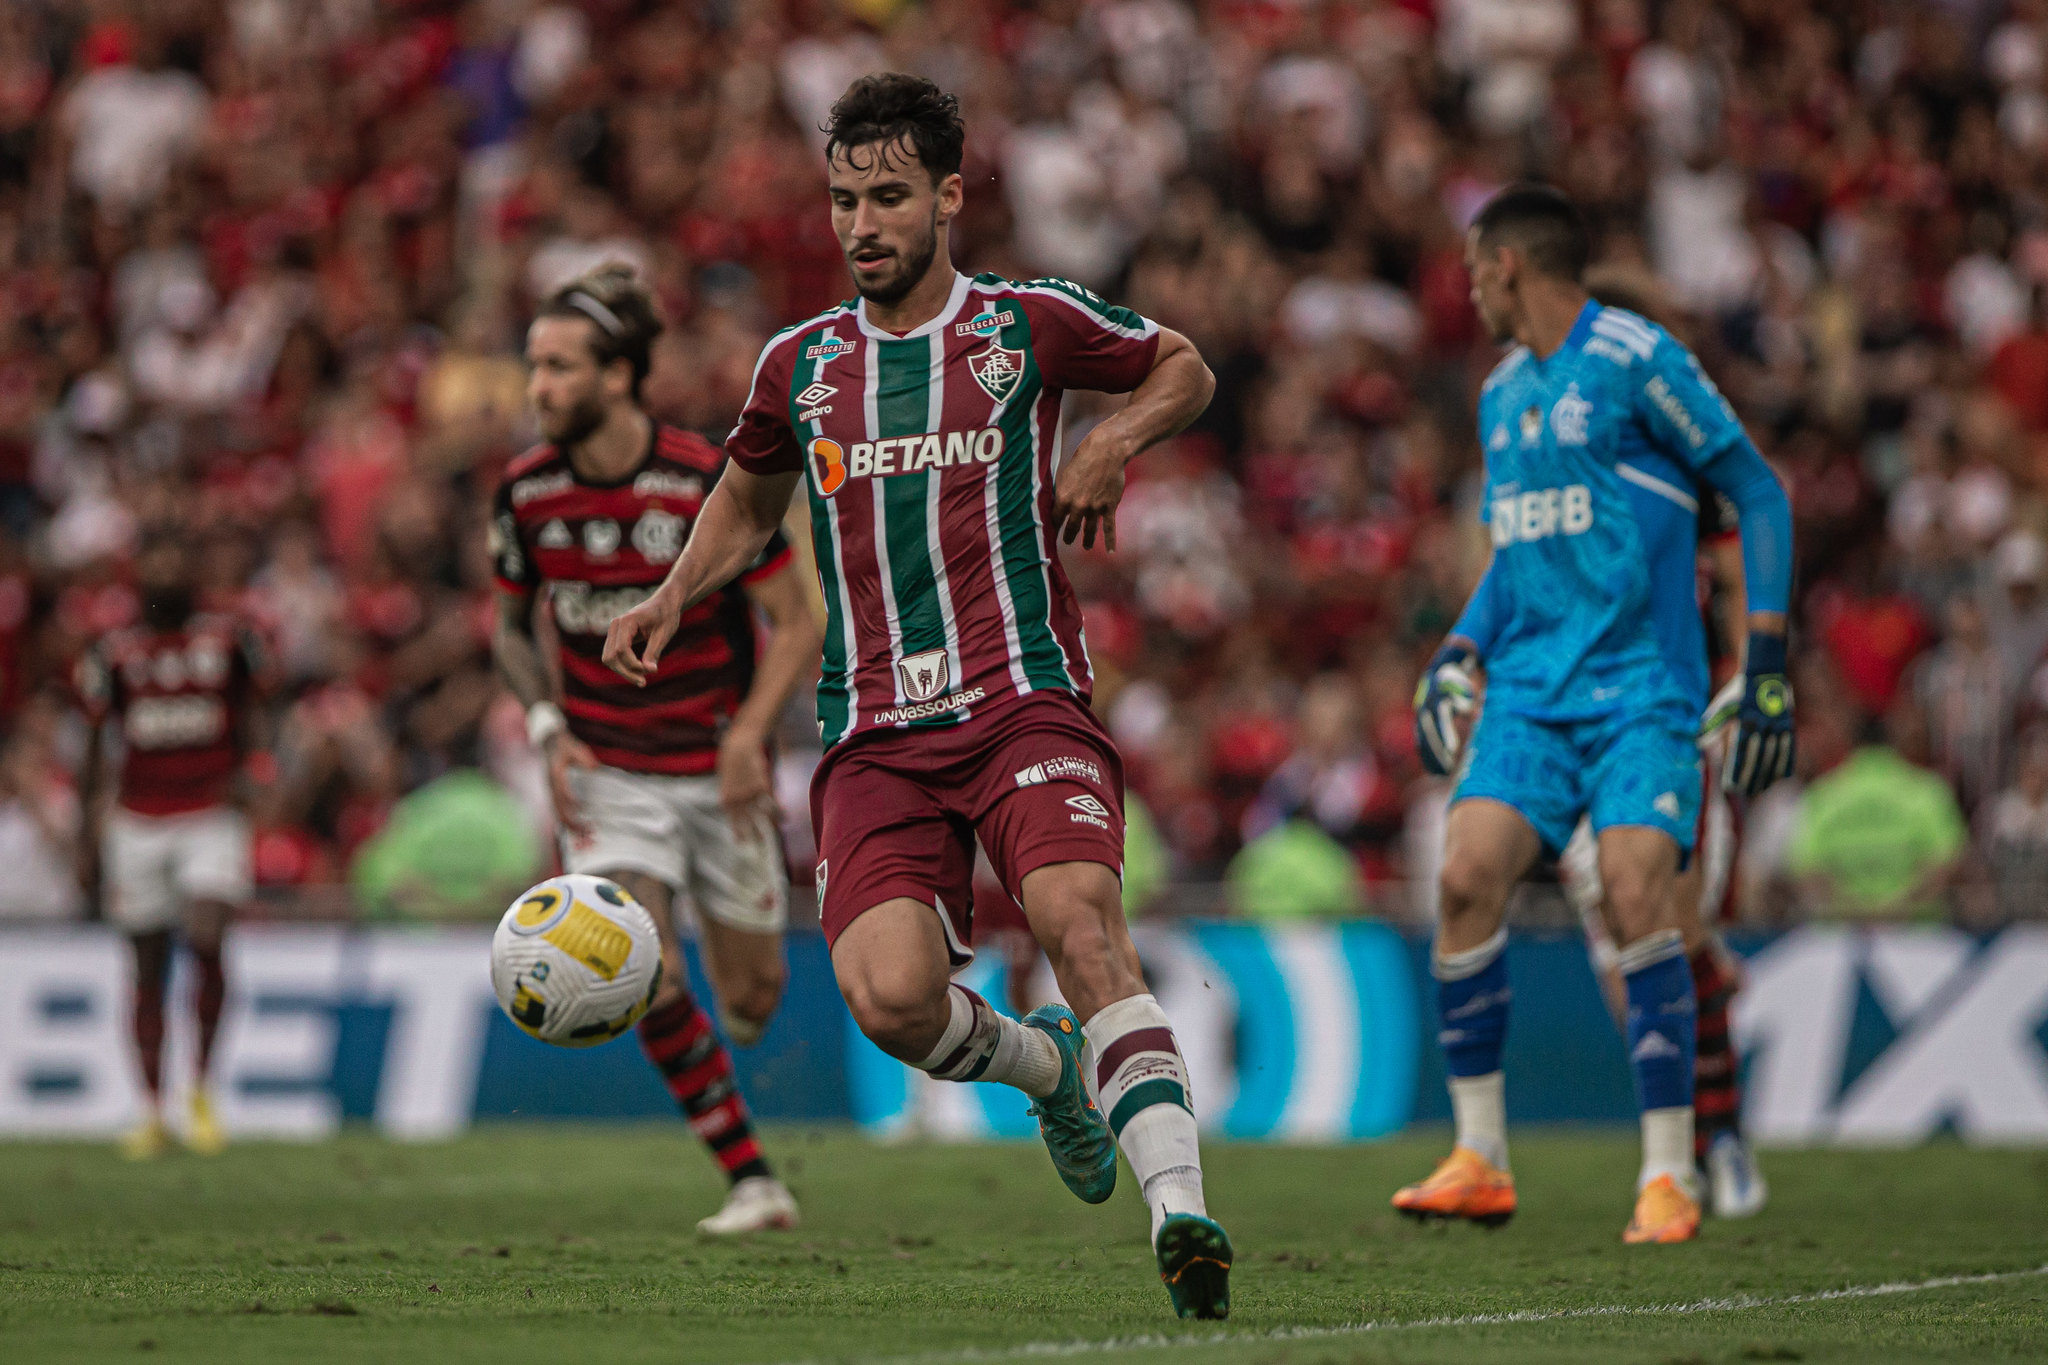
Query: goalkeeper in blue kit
[(1583, 715)]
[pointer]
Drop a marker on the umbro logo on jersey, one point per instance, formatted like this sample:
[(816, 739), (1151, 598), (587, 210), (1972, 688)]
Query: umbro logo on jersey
[(828, 349), (1499, 439), (1532, 425), (554, 536), (815, 394), (1089, 811), (997, 370), (986, 325)]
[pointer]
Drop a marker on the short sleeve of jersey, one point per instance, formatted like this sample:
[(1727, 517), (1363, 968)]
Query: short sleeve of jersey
[(761, 441), (511, 565), (1081, 341), (1684, 413)]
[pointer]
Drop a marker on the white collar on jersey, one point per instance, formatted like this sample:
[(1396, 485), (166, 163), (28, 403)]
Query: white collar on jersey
[(946, 314)]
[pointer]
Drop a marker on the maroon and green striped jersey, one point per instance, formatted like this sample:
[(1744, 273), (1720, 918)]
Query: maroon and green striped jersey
[(930, 459)]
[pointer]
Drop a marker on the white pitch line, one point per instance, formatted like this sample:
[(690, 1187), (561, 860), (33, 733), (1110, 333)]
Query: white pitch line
[(1059, 1350)]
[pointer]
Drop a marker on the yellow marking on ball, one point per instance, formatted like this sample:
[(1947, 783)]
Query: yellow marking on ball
[(535, 909), (593, 940)]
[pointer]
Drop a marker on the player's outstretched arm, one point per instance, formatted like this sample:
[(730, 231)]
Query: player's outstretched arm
[(788, 658), (1091, 484), (732, 529)]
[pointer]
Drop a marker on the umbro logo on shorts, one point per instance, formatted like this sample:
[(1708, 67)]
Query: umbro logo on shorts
[(1089, 811)]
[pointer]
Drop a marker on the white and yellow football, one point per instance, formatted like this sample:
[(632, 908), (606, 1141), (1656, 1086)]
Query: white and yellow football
[(576, 961)]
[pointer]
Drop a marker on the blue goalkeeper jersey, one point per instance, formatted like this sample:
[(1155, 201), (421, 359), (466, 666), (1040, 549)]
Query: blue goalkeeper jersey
[(1577, 447)]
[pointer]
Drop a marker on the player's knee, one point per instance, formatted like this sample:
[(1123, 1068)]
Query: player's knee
[(897, 1014), (754, 992), (1637, 900), (1469, 887)]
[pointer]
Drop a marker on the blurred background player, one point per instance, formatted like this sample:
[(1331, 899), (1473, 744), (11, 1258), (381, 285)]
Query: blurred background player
[(1583, 715), (176, 690), (665, 790), (1691, 536), (954, 697)]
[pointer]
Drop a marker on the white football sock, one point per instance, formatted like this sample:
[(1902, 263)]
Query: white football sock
[(1480, 1105), (980, 1044), (1667, 1146), (1142, 1086)]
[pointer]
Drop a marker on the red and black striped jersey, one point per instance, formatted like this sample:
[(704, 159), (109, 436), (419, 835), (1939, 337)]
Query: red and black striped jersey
[(601, 549), (180, 697)]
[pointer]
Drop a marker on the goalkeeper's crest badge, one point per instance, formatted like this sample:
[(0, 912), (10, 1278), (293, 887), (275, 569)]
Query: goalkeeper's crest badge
[(998, 370)]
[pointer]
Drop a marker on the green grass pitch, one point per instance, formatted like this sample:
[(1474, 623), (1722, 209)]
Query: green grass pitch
[(571, 1244)]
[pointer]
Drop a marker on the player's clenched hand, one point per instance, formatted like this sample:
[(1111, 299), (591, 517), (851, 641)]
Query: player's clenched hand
[(653, 621), (1763, 748), (1089, 488), (746, 786), (565, 751), (1443, 698)]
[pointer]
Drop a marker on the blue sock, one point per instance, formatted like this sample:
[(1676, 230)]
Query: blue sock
[(1472, 1004), (1663, 1019)]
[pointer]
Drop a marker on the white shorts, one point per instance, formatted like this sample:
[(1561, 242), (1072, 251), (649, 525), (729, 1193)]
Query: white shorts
[(673, 830), (157, 864)]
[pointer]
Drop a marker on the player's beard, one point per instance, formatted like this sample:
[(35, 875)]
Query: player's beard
[(914, 265), (576, 425)]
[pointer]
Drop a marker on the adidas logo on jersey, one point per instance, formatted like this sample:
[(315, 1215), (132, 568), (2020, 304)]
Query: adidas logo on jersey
[(833, 464), (1540, 513), (554, 536)]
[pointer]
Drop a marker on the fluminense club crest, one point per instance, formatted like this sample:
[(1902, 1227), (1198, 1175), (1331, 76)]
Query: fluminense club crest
[(997, 370)]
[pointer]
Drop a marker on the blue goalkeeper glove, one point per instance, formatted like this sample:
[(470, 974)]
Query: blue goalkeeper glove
[(1762, 750), (1444, 694)]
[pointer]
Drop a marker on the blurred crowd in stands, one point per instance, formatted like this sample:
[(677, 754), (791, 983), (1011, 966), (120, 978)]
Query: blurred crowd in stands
[(265, 267)]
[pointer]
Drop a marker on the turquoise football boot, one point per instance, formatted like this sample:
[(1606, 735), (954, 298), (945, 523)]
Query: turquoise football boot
[(1075, 1132), (1194, 1261)]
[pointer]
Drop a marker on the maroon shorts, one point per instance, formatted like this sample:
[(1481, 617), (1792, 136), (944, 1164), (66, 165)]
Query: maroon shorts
[(897, 812)]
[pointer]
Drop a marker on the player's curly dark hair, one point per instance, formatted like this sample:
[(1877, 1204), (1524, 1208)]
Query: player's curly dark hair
[(877, 110), (1543, 224), (623, 318)]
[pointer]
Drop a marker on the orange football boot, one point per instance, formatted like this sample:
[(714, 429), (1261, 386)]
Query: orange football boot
[(1664, 1213), (1464, 1185)]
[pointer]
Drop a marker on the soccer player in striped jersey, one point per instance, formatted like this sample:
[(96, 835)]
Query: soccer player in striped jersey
[(924, 422), (664, 789)]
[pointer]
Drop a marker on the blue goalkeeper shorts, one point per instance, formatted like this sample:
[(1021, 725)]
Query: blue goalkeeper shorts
[(1631, 768)]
